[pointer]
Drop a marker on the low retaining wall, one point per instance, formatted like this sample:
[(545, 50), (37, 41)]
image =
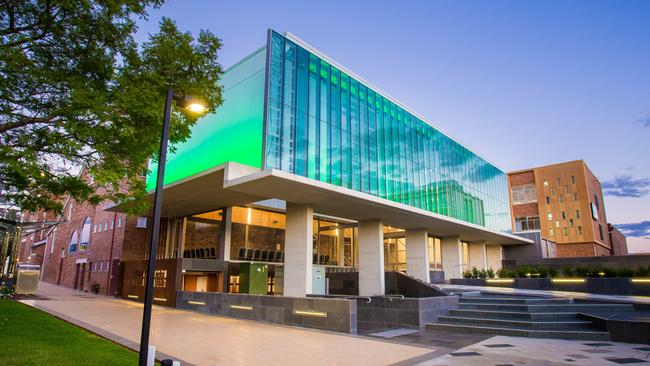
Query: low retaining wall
[(338, 315), (631, 261), (606, 286), (383, 312)]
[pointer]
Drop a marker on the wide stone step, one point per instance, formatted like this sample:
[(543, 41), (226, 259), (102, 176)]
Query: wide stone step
[(519, 324), (493, 314), (548, 308), (555, 334), (513, 300)]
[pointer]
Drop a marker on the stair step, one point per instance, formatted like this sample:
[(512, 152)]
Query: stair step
[(547, 308), (555, 334), (514, 300), (570, 325), (493, 314)]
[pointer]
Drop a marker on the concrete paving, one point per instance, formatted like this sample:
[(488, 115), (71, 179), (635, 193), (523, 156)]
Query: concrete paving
[(501, 350), (212, 340)]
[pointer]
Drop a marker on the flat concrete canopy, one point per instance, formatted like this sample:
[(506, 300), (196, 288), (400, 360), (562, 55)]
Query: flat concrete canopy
[(235, 184)]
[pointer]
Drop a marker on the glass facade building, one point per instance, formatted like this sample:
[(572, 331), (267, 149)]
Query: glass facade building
[(326, 124), (289, 108)]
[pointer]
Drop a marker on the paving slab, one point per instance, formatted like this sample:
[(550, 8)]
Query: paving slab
[(201, 339)]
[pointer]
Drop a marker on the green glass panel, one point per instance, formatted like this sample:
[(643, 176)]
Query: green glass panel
[(232, 134)]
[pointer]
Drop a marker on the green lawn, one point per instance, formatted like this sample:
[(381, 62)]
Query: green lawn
[(31, 337)]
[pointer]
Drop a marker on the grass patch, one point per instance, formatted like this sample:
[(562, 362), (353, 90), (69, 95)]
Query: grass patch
[(29, 336)]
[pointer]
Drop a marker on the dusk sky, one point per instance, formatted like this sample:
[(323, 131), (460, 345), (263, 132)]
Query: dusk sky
[(523, 83)]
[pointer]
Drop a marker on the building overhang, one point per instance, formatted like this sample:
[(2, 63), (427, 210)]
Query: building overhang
[(236, 184)]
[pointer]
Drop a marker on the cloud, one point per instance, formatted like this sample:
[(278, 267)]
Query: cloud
[(644, 121), (637, 229), (626, 186)]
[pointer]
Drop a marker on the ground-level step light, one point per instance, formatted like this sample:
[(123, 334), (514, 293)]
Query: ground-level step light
[(192, 105)]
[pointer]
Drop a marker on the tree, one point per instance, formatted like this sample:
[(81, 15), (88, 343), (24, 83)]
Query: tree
[(77, 91)]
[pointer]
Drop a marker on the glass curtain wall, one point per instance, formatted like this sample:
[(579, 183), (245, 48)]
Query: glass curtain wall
[(435, 254), (257, 235), (394, 249), (324, 124)]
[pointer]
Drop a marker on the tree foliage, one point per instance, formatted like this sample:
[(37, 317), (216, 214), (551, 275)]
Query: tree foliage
[(77, 91)]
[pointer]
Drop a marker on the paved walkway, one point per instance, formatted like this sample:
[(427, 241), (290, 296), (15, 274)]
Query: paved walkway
[(575, 295), (212, 340), (512, 351)]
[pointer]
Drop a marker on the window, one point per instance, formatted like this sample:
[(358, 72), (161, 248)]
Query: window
[(548, 200), (74, 240), (142, 222), (106, 226), (111, 223), (594, 211), (579, 230), (549, 216), (558, 181), (600, 231), (545, 183), (563, 215), (70, 211), (571, 222), (551, 232), (524, 194), (552, 191), (561, 198), (527, 223), (85, 234), (577, 214), (53, 240), (565, 231), (160, 278), (119, 222), (573, 179), (557, 223), (575, 196), (596, 201), (95, 228)]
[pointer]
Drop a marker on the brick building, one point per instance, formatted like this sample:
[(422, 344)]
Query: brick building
[(565, 202), (83, 250), (617, 239)]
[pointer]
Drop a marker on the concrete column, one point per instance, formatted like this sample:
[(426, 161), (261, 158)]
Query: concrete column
[(478, 255), (417, 254), (452, 256), (371, 258), (298, 249), (227, 232), (494, 255)]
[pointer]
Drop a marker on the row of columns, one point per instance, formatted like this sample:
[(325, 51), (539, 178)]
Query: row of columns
[(298, 265)]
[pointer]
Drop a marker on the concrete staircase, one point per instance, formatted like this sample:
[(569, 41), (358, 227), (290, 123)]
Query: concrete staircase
[(535, 317)]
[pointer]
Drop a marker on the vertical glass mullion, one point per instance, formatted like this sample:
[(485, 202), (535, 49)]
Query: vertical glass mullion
[(314, 116), (324, 122), (363, 125), (335, 127), (302, 113), (372, 143), (346, 132), (288, 108), (274, 117), (355, 145)]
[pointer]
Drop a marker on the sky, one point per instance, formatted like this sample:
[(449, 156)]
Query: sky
[(524, 83)]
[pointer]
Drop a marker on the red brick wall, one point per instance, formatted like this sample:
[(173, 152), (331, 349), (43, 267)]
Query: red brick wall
[(104, 234), (521, 178), (618, 240), (576, 250)]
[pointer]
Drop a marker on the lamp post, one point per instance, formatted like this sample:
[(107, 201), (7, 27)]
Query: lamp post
[(193, 105)]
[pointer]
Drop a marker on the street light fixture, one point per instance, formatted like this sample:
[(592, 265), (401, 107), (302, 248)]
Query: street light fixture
[(193, 105)]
